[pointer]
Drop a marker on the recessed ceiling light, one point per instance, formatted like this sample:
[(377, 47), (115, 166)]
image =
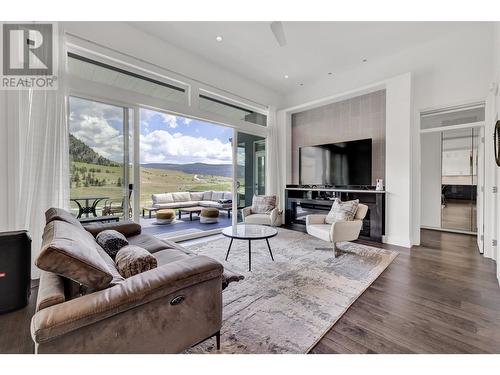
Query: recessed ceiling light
[(286, 76), (365, 59), (218, 38)]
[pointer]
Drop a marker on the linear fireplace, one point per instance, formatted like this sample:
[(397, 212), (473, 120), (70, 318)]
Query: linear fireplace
[(300, 202)]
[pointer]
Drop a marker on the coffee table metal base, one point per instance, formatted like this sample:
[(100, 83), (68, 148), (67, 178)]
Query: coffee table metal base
[(250, 251)]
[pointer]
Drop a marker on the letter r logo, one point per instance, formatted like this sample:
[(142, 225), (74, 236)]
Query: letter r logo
[(27, 49)]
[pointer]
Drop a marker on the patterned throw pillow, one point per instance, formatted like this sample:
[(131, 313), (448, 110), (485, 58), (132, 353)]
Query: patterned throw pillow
[(263, 204), (111, 241), (342, 211), (132, 260)]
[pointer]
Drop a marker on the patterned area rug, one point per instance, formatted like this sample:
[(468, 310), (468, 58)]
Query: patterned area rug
[(286, 306)]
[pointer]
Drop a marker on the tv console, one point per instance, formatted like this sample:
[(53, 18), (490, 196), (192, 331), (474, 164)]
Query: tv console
[(301, 201)]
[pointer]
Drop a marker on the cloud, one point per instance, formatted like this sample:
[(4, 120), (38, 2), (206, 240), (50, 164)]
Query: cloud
[(91, 123), (160, 146), (186, 120), (168, 120)]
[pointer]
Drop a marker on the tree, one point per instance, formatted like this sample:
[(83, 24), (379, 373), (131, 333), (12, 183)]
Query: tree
[(119, 182)]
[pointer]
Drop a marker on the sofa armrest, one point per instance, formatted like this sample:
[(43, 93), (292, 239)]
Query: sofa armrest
[(315, 219), (127, 228), (137, 290), (345, 230), (246, 211)]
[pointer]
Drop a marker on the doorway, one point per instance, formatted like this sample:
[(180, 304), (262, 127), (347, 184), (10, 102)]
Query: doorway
[(459, 166), (452, 170)]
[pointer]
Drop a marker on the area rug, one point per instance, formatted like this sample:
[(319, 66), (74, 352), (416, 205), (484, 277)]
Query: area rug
[(286, 306)]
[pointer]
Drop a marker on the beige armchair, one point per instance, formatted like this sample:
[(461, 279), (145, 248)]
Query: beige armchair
[(338, 231), (272, 218)]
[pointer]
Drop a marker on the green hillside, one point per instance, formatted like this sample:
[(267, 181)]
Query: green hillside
[(93, 175), (80, 152), (106, 181)]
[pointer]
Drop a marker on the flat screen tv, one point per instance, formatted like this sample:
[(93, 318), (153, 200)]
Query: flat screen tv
[(336, 164)]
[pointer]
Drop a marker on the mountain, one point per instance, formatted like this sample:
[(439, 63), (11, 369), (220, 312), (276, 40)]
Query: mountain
[(80, 152), (225, 170)]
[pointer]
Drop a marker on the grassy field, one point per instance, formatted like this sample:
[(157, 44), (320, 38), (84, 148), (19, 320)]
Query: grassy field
[(105, 181)]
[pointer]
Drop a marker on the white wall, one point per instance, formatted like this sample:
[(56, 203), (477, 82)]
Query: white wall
[(456, 68), (431, 180), (398, 160)]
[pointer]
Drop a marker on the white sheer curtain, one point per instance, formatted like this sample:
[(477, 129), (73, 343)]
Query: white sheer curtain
[(274, 180), (37, 151)]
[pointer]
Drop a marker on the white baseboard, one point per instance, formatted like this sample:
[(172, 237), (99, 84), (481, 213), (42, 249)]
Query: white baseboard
[(394, 240)]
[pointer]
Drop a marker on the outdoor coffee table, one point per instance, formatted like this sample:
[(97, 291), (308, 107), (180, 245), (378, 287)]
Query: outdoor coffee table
[(190, 211), (149, 209), (250, 232)]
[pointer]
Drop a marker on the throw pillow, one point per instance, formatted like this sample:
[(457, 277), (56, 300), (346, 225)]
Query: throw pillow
[(111, 241), (132, 260), (342, 211), (263, 204)]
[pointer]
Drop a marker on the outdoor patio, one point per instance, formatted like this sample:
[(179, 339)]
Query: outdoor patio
[(184, 226)]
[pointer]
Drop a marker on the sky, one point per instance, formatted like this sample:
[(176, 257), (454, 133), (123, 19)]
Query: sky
[(164, 138)]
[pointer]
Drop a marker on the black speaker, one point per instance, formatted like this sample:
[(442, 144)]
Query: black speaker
[(15, 270)]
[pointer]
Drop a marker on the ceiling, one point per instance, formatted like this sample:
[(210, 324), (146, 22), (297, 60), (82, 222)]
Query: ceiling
[(313, 49)]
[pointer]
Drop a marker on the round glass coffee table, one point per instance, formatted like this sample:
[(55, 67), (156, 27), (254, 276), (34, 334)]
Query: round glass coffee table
[(250, 232)]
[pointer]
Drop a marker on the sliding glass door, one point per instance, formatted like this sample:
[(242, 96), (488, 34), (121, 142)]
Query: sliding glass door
[(99, 145), (250, 168), (185, 167)]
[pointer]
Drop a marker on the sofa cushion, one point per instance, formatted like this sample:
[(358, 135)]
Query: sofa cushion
[(207, 196), (264, 219), (181, 197), (169, 255), (54, 213), (111, 241), (216, 195), (263, 204), (73, 253), (117, 278), (228, 195), (196, 196), (162, 198), (148, 242), (342, 211), (132, 260), (178, 204)]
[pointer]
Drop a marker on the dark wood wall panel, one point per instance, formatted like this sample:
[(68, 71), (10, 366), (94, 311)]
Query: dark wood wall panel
[(356, 118)]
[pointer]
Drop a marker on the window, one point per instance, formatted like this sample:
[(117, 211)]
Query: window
[(99, 183)]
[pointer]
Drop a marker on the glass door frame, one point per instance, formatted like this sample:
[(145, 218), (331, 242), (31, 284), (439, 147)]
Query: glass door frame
[(126, 109)]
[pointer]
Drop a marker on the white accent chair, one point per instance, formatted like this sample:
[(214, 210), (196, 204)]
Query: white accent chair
[(338, 231), (272, 218)]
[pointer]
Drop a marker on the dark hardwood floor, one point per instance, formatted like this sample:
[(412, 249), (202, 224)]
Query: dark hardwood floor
[(441, 297)]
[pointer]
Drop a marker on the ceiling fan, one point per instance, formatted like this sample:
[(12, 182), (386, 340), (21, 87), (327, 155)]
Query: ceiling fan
[(279, 33)]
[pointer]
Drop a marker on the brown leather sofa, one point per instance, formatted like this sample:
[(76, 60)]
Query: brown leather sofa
[(165, 310)]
